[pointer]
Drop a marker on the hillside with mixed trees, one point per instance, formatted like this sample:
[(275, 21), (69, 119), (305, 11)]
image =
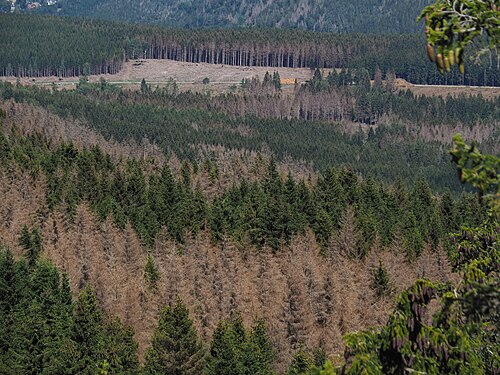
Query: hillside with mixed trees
[(144, 234), (317, 230), (142, 198), (336, 120), (58, 46)]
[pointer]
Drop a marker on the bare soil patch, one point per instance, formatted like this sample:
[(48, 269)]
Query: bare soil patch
[(161, 70)]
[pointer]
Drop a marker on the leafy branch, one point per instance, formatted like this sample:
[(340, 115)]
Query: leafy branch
[(452, 25)]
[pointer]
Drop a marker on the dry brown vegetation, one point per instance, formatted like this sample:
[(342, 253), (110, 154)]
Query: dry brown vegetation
[(232, 164), (29, 119), (189, 76), (305, 297), (444, 91)]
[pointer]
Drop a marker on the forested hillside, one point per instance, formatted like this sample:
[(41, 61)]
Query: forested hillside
[(396, 16), (265, 213), (373, 130), (42, 46), (144, 232), (142, 198)]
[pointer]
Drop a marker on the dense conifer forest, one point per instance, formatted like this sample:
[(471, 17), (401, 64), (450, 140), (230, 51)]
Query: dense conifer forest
[(339, 15), (42, 46)]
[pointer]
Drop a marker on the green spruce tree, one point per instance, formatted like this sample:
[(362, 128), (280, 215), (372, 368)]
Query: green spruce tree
[(237, 351), (87, 332), (31, 242), (175, 347)]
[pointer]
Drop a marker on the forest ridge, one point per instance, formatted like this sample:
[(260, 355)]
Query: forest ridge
[(372, 16)]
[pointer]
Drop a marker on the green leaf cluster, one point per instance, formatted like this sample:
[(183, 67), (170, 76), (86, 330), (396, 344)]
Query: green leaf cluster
[(452, 25)]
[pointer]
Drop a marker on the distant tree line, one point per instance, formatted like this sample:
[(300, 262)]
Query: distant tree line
[(335, 16), (343, 95), (41, 46), (34, 46)]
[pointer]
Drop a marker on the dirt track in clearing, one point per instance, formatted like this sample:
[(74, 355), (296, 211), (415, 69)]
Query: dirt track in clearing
[(445, 90)]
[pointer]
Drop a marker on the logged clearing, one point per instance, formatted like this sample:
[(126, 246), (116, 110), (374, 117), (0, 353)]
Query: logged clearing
[(190, 76), (194, 73)]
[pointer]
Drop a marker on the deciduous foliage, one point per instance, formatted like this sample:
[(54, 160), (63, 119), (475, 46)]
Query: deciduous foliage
[(453, 25), (481, 171)]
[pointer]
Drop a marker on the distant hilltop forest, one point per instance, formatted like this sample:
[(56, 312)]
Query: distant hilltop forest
[(369, 16), (36, 46)]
